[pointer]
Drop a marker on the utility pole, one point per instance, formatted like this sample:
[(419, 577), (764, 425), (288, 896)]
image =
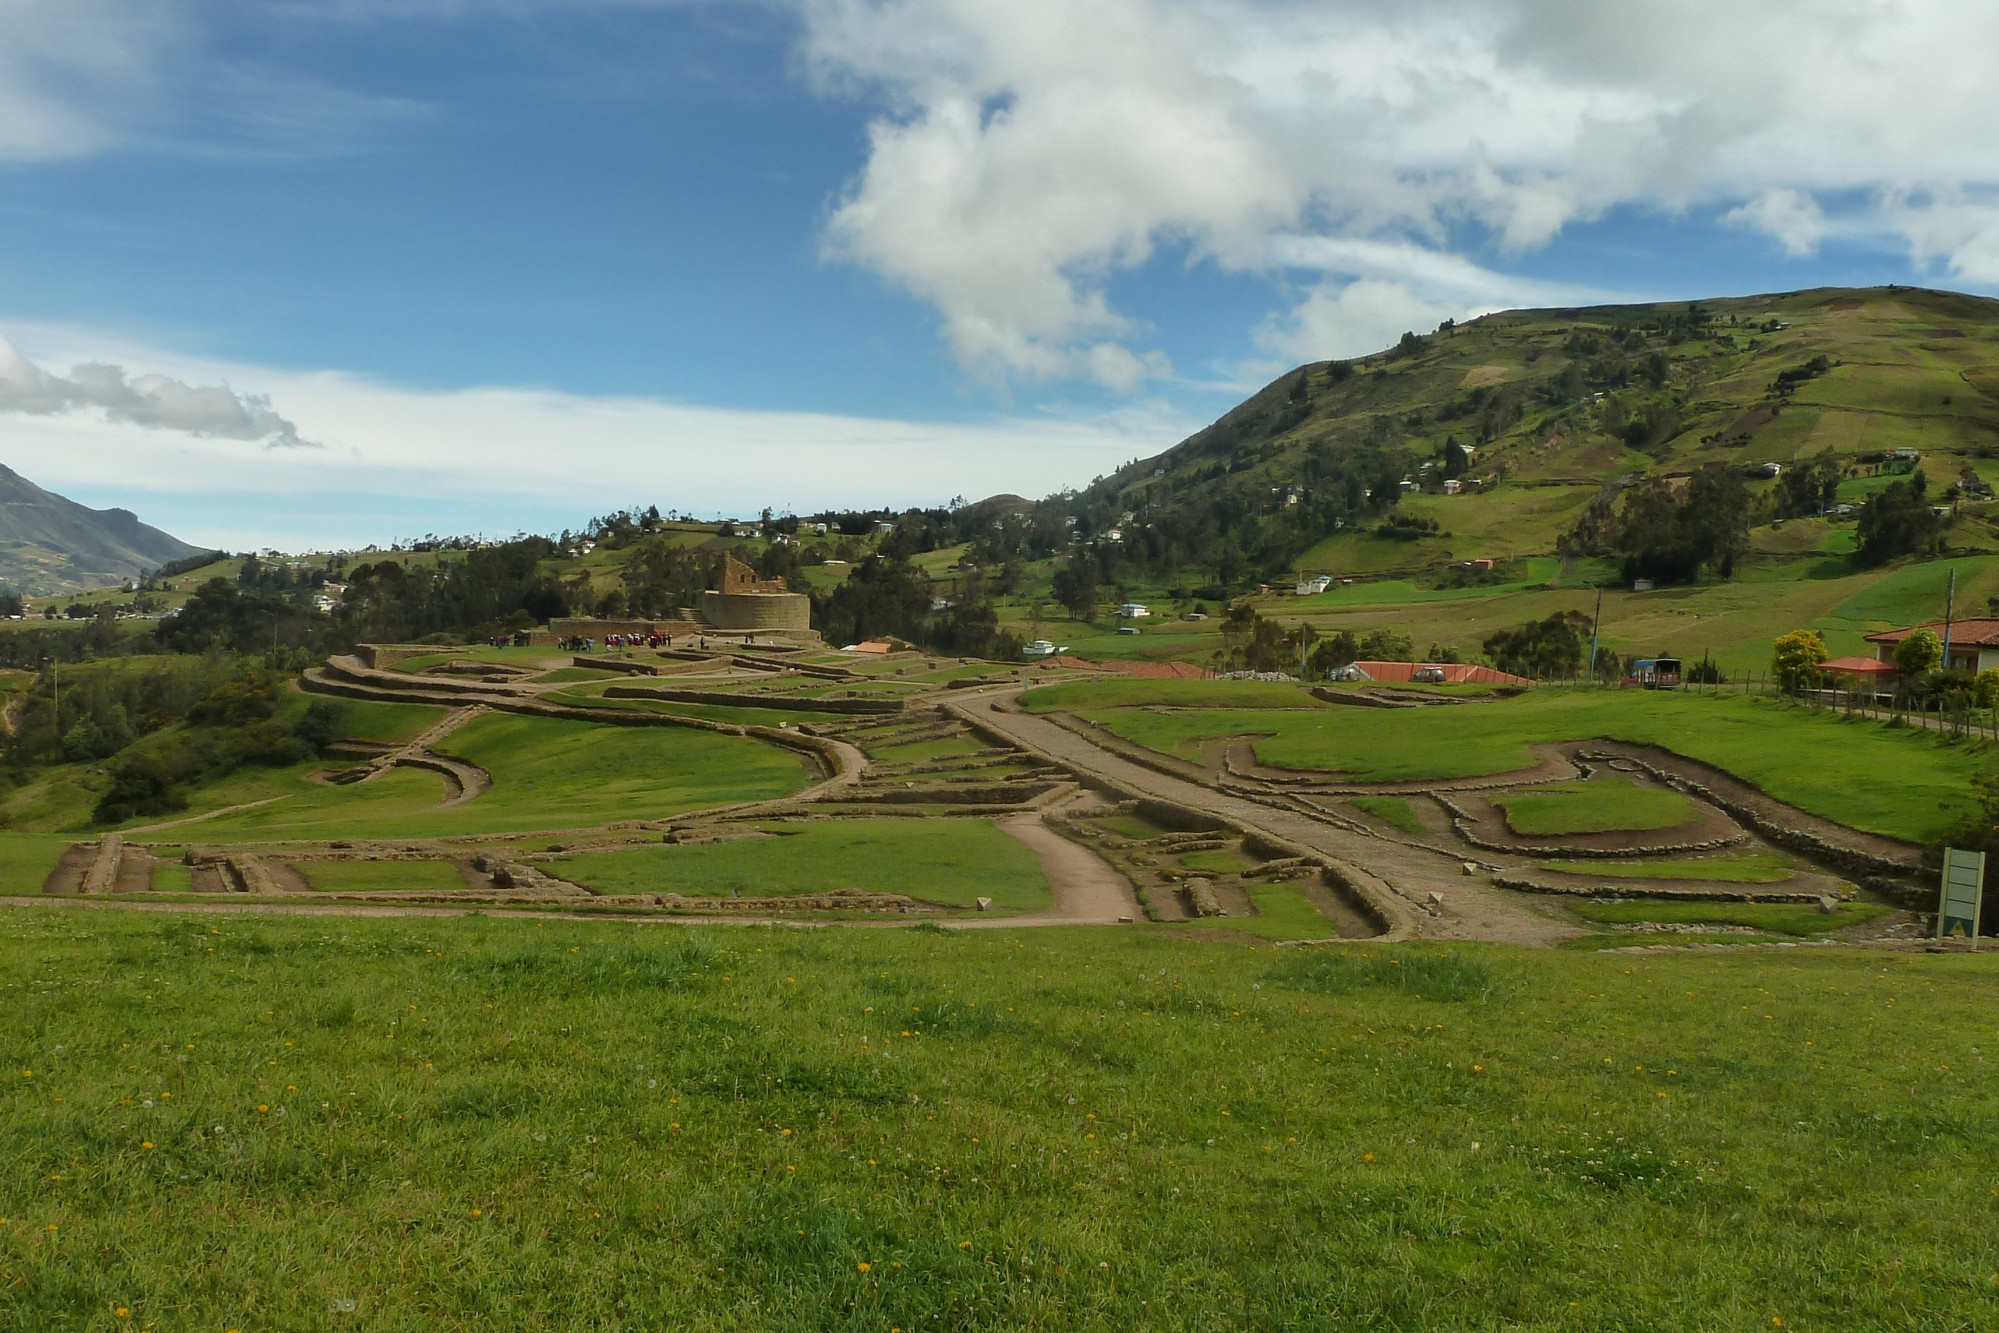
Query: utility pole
[(1596, 624), (1949, 609)]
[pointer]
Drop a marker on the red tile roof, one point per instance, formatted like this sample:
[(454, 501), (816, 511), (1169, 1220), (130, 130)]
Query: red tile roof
[(1857, 666), (1976, 632), (1455, 673)]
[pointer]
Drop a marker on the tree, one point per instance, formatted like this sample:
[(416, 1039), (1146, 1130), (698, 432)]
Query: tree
[(1076, 585), (1898, 521), (1809, 488), (1543, 649), (1918, 655), (1795, 658)]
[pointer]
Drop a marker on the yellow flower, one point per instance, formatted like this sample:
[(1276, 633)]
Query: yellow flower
[(121, 1312), (262, 1109), (1367, 1157), (964, 1245), (862, 1267), (477, 1213), (145, 1143)]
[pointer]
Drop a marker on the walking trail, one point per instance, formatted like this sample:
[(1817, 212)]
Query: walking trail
[(1400, 878)]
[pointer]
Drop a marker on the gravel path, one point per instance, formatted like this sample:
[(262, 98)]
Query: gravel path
[(1399, 879)]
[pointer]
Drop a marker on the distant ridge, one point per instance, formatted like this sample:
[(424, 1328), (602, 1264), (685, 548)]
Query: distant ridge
[(49, 544)]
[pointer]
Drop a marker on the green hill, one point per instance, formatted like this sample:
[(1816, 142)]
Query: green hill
[(49, 544), (1556, 405)]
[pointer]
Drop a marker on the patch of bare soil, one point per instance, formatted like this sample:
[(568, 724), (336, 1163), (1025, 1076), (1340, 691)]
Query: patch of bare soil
[(1088, 890), (71, 868)]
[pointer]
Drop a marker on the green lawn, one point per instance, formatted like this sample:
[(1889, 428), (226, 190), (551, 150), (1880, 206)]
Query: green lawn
[(1900, 782), (547, 774), (951, 862), (1776, 918), (1283, 912), (1732, 868), (381, 876), (454, 1124), (1220, 862), (1600, 805), (391, 724), (26, 860)]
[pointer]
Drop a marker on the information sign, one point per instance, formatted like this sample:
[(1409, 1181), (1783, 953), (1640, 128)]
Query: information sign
[(1963, 888)]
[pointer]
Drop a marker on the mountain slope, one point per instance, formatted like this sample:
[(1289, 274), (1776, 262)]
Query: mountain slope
[(49, 544), (1555, 405)]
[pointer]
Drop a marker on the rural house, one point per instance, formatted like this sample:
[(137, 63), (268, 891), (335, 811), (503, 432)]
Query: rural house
[(1974, 644)]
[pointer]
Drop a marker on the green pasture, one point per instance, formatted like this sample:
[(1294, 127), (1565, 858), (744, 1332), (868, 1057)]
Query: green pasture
[(951, 862), (547, 774), (1729, 868), (1600, 805), (238, 1122), (1776, 918), (1221, 861), (382, 876), (1901, 782), (485, 652)]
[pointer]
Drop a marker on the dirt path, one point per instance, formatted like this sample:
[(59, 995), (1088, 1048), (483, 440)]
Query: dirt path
[(1418, 891), (212, 814), (1088, 891)]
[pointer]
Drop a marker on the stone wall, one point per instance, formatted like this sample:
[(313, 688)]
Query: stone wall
[(756, 610)]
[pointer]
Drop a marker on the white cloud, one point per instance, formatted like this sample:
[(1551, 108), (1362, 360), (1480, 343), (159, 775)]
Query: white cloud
[(156, 401), (398, 462), (1790, 217), (1336, 321), (1035, 149)]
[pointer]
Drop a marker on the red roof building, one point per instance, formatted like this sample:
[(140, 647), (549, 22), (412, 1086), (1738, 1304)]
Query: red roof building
[(1455, 673), (1974, 643)]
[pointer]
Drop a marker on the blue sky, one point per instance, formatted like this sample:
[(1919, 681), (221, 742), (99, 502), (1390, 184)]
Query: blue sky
[(502, 265)]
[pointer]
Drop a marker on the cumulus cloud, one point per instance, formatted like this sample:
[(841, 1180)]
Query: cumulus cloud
[(397, 462), (154, 401), (1792, 218), (1033, 150)]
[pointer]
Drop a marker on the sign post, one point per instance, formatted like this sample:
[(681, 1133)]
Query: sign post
[(1963, 889)]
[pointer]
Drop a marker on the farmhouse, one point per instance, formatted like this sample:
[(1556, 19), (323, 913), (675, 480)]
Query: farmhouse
[(1974, 644)]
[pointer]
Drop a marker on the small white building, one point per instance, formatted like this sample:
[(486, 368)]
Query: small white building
[(1452, 486), (1133, 611), (1313, 586)]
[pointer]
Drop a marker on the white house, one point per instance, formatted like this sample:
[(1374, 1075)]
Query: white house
[(1313, 586), (1133, 611)]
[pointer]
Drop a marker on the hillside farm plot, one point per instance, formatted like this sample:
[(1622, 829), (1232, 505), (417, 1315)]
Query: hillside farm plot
[(948, 862), (1898, 782), (595, 1124), (547, 774)]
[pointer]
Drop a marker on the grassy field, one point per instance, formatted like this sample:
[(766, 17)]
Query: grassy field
[(1774, 918), (483, 1124), (1732, 868), (951, 862), (26, 860), (1393, 809), (392, 724), (381, 876), (1601, 805), (1899, 782), (547, 774)]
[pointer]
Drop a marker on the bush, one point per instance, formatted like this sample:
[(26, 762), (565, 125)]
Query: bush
[(141, 784)]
